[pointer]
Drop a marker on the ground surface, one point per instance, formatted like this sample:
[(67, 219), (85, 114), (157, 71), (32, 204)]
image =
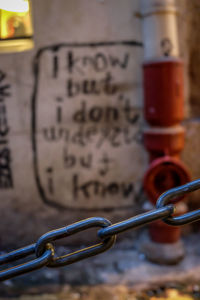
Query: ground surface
[(118, 274), (106, 292)]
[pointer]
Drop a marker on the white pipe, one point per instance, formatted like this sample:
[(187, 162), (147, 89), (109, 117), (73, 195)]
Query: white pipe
[(15, 5), (159, 28)]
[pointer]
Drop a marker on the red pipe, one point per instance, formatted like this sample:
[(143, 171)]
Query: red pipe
[(164, 139), (163, 92)]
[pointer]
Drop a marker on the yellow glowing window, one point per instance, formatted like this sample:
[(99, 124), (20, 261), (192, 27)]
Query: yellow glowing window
[(16, 29)]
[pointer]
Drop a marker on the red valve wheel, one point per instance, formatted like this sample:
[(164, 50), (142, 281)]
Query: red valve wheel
[(163, 174)]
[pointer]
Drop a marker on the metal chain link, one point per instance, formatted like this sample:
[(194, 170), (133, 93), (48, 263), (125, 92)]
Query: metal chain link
[(44, 251)]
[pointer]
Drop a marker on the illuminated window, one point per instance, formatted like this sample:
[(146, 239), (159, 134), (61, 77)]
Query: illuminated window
[(16, 31)]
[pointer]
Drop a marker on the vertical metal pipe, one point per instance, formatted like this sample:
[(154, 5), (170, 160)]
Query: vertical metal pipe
[(163, 106)]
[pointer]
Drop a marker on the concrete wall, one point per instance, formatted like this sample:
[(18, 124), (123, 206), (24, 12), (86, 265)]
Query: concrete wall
[(191, 24), (73, 111)]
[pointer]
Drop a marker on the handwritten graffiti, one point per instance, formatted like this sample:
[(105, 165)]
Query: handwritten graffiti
[(84, 123), (95, 187), (114, 136), (6, 178), (166, 46)]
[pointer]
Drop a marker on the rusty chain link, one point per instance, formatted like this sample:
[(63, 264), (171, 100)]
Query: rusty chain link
[(44, 250)]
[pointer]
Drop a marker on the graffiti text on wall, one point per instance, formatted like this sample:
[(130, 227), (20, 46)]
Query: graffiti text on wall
[(6, 178), (85, 117)]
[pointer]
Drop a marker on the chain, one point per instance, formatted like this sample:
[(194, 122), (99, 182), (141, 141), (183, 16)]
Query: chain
[(44, 251)]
